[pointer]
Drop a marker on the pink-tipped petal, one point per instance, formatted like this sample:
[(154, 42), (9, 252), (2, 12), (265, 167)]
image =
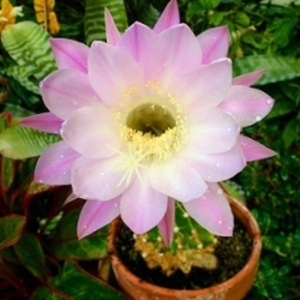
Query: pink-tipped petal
[(205, 87), (67, 90), (70, 54), (112, 72), (173, 55), (212, 211), (247, 105), (249, 78), (253, 150), (92, 132), (141, 206), (169, 17), (166, 225), (219, 166), (141, 42), (177, 179), (214, 43), (112, 32), (95, 215), (211, 131), (55, 164), (99, 179), (46, 122)]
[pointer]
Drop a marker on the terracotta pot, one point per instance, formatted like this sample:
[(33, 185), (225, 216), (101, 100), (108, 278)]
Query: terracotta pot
[(234, 288)]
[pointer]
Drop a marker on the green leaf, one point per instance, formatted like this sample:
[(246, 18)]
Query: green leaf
[(73, 282), (281, 108), (242, 19), (66, 244), (272, 280), (217, 18), (19, 142), (94, 25), (28, 44), (30, 253), (283, 29), (7, 173), (278, 68), (290, 132), (9, 255), (287, 246), (11, 230), (147, 13), (209, 4)]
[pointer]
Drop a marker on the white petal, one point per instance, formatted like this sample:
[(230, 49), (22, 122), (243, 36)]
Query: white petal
[(96, 214), (142, 207), (212, 211), (112, 72), (247, 105), (219, 166), (211, 130), (92, 131), (99, 179), (177, 179)]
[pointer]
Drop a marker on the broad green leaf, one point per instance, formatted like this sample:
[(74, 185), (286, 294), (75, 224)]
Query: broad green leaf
[(9, 255), (66, 244), (5, 120), (19, 142), (145, 12), (278, 68), (30, 253), (28, 44), (94, 25), (6, 172), (149, 15), (11, 230), (74, 283)]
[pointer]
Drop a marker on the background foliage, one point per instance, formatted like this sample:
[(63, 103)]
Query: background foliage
[(40, 256)]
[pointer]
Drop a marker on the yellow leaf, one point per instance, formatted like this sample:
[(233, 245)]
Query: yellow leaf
[(8, 14)]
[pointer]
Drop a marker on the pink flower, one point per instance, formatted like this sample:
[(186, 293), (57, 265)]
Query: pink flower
[(149, 117)]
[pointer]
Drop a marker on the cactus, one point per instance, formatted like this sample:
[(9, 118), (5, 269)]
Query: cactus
[(193, 246)]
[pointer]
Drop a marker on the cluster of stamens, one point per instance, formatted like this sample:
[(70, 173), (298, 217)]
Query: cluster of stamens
[(154, 124)]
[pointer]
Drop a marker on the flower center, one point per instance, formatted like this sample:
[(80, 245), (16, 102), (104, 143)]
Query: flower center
[(151, 122), (151, 119)]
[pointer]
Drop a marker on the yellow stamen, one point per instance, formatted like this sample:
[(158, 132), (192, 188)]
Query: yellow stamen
[(151, 122)]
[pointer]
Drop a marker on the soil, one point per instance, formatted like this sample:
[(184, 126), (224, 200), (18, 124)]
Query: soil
[(232, 254)]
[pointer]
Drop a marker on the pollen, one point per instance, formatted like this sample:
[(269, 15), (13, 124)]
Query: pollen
[(151, 121)]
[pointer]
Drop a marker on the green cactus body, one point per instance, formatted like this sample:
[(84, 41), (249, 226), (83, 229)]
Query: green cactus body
[(28, 44), (192, 246)]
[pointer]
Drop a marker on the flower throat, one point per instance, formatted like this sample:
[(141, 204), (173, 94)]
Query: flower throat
[(150, 119)]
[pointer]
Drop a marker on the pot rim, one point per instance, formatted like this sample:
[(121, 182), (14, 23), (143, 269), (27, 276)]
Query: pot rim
[(253, 230)]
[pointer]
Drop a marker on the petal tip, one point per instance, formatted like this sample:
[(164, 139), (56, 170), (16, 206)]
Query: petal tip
[(169, 17)]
